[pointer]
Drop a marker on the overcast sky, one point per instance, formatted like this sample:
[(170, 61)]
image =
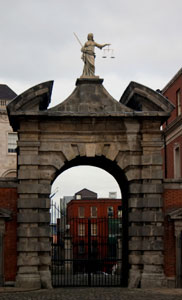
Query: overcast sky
[(37, 42)]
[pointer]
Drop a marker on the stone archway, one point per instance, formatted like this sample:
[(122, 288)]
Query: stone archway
[(90, 124), (118, 174)]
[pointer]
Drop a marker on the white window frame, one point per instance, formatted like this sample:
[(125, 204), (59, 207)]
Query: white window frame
[(93, 229), (81, 229), (109, 211), (92, 209), (177, 161), (81, 212), (11, 143), (178, 102)]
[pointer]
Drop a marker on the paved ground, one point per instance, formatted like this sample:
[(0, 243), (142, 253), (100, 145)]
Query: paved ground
[(92, 294)]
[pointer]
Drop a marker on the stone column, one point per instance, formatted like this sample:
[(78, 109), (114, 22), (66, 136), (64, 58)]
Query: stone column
[(152, 213), (34, 246)]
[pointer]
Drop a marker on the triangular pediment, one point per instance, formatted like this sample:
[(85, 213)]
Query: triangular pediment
[(142, 98), (34, 99), (90, 96)]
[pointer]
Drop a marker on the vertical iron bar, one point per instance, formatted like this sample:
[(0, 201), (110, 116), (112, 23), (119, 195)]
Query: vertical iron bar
[(89, 252)]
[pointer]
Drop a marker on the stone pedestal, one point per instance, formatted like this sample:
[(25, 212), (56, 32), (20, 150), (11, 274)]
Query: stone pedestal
[(153, 280), (28, 281)]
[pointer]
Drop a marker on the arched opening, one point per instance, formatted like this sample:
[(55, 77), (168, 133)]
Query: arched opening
[(116, 172)]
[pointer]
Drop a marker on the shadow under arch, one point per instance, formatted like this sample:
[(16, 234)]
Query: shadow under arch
[(112, 168)]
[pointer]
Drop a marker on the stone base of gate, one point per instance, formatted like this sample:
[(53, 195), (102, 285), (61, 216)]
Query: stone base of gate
[(153, 280), (45, 277), (134, 278), (28, 281)]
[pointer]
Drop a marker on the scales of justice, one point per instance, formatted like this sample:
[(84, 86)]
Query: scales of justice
[(88, 54)]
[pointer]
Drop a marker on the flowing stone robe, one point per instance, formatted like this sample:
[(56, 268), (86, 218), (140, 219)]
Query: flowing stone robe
[(88, 57)]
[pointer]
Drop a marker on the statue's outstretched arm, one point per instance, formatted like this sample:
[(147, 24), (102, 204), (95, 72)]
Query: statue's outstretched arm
[(100, 46)]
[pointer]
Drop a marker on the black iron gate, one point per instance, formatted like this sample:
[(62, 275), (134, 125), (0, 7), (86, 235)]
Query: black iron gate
[(87, 252)]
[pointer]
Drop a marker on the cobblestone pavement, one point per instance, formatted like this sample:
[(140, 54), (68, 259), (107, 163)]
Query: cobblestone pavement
[(93, 294)]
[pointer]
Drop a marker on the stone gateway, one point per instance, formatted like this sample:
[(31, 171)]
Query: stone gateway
[(90, 127)]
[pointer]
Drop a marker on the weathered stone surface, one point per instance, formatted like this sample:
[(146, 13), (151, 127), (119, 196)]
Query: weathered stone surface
[(31, 246), (34, 203), (33, 217), (36, 174), (147, 230), (146, 188), (28, 260), (146, 216), (28, 160), (153, 281), (90, 150), (146, 245), (156, 202), (33, 188), (34, 231), (152, 159), (29, 281)]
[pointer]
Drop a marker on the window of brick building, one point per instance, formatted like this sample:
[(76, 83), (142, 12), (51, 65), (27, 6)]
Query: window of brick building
[(177, 162), (178, 102), (93, 212), (119, 211), (93, 229), (110, 211), (12, 142), (81, 229), (81, 212), (81, 247)]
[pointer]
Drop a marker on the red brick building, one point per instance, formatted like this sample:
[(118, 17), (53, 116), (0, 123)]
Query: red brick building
[(8, 231), (172, 154), (98, 221)]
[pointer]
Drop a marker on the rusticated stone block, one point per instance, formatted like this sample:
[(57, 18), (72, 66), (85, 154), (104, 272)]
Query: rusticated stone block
[(31, 246), (146, 216), (36, 174), (45, 260), (135, 259), (34, 188), (33, 217), (112, 152), (133, 173), (136, 188), (153, 259), (28, 160), (28, 260), (27, 269), (151, 173), (151, 159), (147, 230), (34, 231), (90, 149), (146, 245), (34, 203), (156, 202), (28, 143)]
